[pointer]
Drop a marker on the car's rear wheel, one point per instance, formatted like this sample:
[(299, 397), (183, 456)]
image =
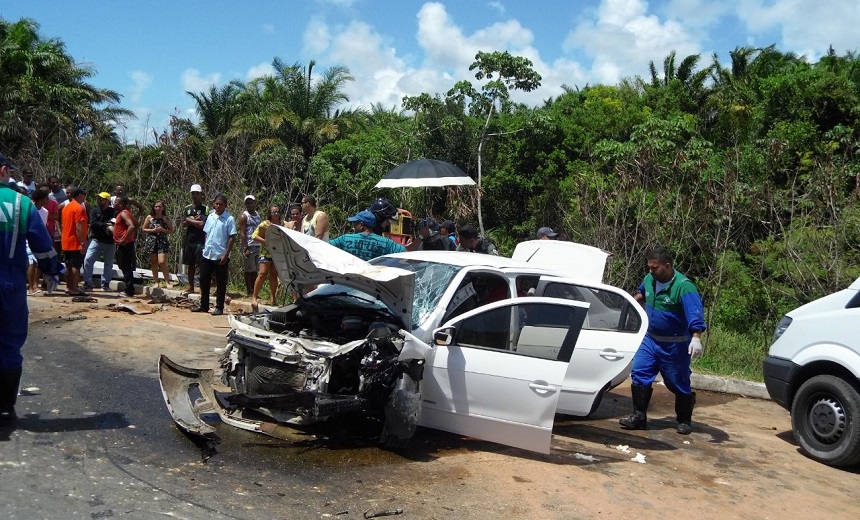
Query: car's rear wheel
[(825, 417)]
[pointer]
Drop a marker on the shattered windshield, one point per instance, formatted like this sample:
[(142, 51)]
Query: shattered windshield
[(431, 281)]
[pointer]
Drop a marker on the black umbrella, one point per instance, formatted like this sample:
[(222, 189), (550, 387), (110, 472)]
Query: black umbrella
[(425, 173)]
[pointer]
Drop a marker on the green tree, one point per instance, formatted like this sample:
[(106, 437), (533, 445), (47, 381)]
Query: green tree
[(45, 99)]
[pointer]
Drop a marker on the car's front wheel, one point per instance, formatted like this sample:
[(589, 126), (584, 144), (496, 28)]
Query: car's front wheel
[(825, 417)]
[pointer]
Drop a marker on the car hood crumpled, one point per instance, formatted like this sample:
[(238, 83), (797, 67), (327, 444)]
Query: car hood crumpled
[(306, 260)]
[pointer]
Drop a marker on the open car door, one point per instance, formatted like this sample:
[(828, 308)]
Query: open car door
[(496, 371)]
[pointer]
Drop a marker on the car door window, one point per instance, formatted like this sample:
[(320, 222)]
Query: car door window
[(538, 330), (477, 290), (607, 311)]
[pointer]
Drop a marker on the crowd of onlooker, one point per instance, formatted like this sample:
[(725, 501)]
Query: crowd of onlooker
[(107, 229)]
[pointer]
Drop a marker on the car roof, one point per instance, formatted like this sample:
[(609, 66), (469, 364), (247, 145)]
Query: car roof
[(464, 259), (500, 263)]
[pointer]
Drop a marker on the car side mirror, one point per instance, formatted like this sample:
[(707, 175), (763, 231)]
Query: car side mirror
[(443, 337)]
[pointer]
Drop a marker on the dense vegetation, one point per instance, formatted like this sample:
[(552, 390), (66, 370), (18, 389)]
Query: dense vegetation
[(748, 170)]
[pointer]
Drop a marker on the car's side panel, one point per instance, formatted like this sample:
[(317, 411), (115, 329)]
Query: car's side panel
[(611, 335)]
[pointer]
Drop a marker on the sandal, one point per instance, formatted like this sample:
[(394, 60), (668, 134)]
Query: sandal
[(84, 299)]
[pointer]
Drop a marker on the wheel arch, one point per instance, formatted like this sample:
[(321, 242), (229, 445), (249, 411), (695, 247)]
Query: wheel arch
[(818, 368)]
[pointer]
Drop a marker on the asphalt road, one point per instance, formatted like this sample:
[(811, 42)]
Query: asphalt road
[(95, 441)]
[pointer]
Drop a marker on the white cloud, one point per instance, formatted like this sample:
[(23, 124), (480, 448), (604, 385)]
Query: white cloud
[(338, 3), (260, 70), (192, 81), (316, 37), (698, 13), (624, 38), (142, 81), (498, 6), (807, 28)]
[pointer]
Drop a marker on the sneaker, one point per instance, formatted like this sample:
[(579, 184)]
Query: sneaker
[(105, 288), (217, 312), (200, 309), (88, 286)]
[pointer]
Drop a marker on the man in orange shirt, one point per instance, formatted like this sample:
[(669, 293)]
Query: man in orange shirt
[(74, 238)]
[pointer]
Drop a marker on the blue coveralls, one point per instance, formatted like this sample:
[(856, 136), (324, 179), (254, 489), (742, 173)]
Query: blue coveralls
[(19, 223), (673, 315)]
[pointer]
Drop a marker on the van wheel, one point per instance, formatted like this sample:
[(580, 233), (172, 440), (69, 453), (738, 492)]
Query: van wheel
[(825, 417)]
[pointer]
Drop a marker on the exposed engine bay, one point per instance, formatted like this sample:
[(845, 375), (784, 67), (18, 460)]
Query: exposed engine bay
[(308, 362)]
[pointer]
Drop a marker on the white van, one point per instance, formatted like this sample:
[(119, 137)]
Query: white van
[(813, 370)]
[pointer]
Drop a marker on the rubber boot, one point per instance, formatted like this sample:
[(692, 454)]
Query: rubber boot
[(8, 395), (639, 419), (684, 404)]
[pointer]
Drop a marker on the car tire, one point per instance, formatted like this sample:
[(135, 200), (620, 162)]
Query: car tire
[(401, 414), (825, 417)]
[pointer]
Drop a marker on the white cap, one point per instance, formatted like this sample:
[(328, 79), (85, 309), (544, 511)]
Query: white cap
[(197, 188), (250, 197)]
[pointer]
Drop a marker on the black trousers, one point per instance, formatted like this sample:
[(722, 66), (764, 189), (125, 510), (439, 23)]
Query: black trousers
[(127, 263), (207, 267)]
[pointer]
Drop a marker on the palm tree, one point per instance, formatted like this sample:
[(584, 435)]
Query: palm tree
[(45, 97), (292, 110)]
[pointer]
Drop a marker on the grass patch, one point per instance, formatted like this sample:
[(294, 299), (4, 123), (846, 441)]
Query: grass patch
[(735, 355)]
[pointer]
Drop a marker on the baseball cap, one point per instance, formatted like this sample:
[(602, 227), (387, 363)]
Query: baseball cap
[(250, 197), (104, 195), (365, 217), (546, 231), (197, 188), (449, 225), (4, 161)]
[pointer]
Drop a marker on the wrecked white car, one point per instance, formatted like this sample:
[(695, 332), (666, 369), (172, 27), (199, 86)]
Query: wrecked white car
[(472, 344)]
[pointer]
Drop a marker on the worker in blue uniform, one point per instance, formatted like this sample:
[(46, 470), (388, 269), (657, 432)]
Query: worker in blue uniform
[(20, 225), (676, 321)]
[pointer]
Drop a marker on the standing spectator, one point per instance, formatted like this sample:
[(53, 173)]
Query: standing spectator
[(267, 266), (220, 229), (364, 243), (75, 226), (448, 229), (34, 274), (53, 217), (57, 192), (470, 242), (315, 222), (101, 242), (248, 222), (675, 314), (156, 227), (546, 233), (193, 218), (118, 191), (429, 238), (295, 220), (124, 234), (27, 182), (22, 227)]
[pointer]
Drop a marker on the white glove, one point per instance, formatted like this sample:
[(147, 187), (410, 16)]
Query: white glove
[(695, 349)]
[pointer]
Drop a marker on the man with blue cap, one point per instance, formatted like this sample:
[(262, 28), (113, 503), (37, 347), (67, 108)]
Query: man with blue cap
[(20, 225), (364, 243)]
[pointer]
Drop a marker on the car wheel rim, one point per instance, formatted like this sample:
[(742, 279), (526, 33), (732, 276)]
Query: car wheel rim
[(827, 419)]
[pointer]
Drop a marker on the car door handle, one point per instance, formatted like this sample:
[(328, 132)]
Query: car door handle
[(611, 355), (542, 387)]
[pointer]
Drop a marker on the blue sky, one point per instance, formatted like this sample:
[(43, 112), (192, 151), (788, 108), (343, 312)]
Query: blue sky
[(153, 52)]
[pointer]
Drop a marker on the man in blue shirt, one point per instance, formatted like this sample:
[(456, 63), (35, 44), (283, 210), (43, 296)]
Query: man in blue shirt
[(364, 243), (220, 229), (676, 321), (20, 225)]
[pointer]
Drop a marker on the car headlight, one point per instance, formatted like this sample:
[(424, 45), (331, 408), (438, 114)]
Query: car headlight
[(783, 324)]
